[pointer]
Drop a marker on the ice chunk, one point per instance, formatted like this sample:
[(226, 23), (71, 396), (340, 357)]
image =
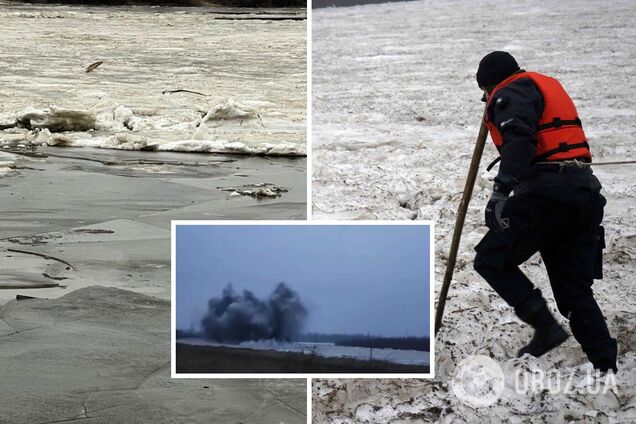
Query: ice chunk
[(201, 133), (235, 147), (44, 137), (123, 115), (8, 120), (57, 119), (230, 109)]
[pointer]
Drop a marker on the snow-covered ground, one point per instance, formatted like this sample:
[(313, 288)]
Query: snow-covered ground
[(246, 79), (329, 350), (395, 115)]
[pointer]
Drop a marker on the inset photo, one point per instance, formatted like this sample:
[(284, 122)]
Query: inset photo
[(301, 299)]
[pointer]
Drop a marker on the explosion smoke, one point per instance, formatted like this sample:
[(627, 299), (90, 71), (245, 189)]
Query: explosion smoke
[(236, 318)]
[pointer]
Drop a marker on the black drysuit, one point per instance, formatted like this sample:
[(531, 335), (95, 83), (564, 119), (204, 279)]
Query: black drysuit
[(555, 213)]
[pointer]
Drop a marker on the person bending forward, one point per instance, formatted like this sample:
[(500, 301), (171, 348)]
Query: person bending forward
[(555, 210)]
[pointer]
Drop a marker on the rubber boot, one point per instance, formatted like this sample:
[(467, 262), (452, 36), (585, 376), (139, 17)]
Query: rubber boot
[(548, 333), (604, 359), (590, 330), (544, 340)]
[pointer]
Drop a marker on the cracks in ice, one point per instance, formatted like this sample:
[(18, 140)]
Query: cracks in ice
[(65, 421), (282, 402), (15, 330), (9, 325), (266, 402), (152, 374), (84, 413), (83, 416)]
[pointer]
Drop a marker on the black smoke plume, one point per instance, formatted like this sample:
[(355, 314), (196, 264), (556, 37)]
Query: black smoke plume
[(236, 318)]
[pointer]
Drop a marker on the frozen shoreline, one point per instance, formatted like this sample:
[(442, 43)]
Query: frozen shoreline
[(396, 113), (130, 198), (327, 350)]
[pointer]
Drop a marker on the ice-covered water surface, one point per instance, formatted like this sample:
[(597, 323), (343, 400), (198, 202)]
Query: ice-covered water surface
[(395, 115), (180, 79), (412, 357), (7, 163)]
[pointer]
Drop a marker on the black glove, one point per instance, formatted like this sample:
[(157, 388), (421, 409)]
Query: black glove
[(494, 220)]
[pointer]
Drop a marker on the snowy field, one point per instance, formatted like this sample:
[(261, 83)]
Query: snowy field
[(395, 115), (329, 350), (246, 78)]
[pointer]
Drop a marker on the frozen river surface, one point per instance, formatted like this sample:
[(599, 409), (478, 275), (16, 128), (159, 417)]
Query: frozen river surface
[(395, 116)]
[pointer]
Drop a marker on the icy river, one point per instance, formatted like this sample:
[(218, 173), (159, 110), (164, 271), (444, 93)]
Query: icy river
[(93, 168), (170, 79)]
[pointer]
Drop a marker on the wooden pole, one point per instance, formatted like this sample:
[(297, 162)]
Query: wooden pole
[(459, 222)]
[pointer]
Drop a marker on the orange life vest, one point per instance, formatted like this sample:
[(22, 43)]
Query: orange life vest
[(559, 132)]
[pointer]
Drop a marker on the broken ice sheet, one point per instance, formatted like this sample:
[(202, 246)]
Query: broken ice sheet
[(257, 191)]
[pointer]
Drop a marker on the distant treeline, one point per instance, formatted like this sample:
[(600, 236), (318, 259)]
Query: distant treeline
[(361, 340), (187, 3)]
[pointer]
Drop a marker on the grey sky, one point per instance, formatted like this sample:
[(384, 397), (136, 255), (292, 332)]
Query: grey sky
[(352, 278)]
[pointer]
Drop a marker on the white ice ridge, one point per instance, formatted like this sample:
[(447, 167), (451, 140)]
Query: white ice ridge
[(229, 126), (230, 109), (280, 148)]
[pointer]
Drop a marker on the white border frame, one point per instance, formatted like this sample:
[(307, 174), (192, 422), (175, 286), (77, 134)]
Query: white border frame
[(308, 376)]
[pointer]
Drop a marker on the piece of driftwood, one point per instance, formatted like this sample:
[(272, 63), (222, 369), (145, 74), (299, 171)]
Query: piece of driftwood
[(23, 297), (43, 255), (182, 91), (93, 66), (18, 286), (261, 18)]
